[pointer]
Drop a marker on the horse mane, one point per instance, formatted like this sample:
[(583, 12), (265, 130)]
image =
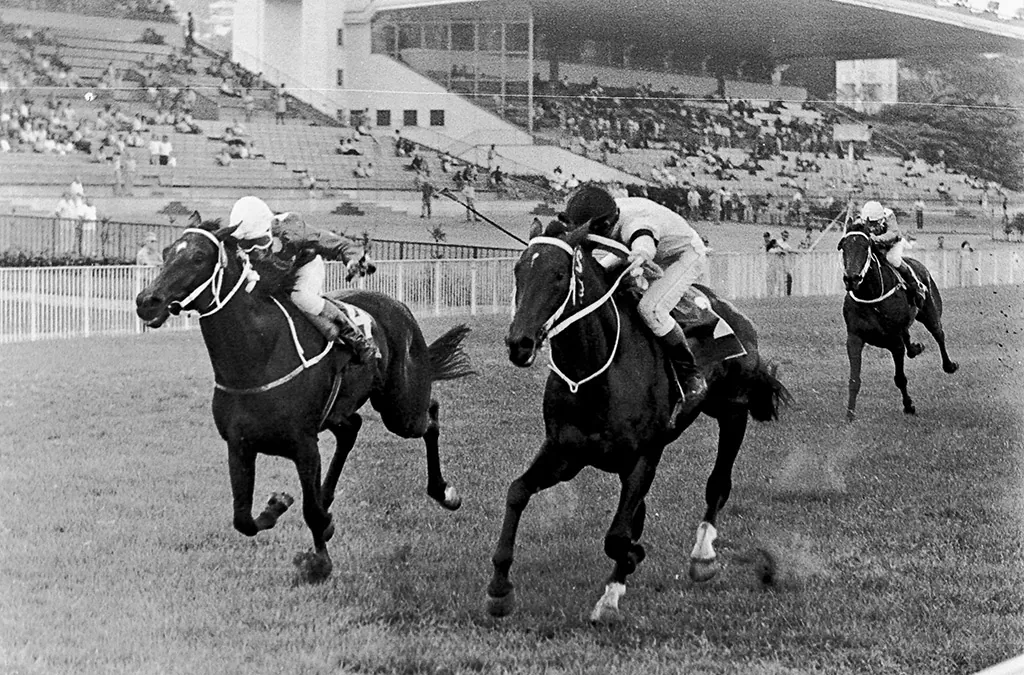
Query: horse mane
[(277, 276)]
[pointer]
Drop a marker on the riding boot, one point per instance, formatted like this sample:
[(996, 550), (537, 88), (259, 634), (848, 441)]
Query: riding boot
[(915, 290), (364, 349), (694, 385)]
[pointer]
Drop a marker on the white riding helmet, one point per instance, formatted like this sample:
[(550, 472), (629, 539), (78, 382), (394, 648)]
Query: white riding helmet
[(253, 217), (872, 211)]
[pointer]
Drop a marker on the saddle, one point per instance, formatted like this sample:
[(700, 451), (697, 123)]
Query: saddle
[(711, 337)]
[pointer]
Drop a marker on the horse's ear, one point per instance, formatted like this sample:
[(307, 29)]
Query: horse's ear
[(535, 229), (579, 235), (194, 220), (839, 246), (225, 232)]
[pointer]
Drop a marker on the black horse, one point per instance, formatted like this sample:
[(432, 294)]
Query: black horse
[(878, 311), (278, 382), (613, 402)]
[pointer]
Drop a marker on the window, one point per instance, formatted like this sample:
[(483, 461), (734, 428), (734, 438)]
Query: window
[(409, 118), (437, 118), (463, 37), (341, 77), (341, 37), (383, 118)]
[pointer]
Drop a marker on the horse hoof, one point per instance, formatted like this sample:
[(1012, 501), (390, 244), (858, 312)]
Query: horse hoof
[(703, 570), (313, 567), (451, 501), (910, 410), (951, 367), (851, 416), (280, 502), (603, 615), (915, 350), (500, 607)]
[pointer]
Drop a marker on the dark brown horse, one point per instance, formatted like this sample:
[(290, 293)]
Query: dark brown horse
[(878, 312), (614, 403), (278, 383)]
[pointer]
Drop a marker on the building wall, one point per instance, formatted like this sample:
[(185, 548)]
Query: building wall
[(866, 85)]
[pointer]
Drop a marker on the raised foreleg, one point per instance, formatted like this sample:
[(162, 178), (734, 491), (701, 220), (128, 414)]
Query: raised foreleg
[(242, 468), (548, 468)]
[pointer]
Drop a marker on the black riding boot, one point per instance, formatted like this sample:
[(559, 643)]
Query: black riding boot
[(916, 294), (694, 385)]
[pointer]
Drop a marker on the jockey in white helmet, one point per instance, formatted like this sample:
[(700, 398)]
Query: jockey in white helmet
[(880, 223), (287, 236), (656, 234)]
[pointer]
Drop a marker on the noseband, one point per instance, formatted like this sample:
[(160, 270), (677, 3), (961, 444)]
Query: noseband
[(575, 294), (216, 280), (864, 271)]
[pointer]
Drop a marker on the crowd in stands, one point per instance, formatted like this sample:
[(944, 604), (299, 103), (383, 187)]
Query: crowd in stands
[(148, 10), (77, 222)]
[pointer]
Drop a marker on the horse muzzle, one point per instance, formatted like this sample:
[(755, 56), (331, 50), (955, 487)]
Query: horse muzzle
[(852, 282), (154, 310), (522, 351)]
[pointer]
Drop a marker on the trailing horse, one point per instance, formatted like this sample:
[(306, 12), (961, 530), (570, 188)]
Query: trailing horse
[(877, 311), (613, 402), (279, 383)]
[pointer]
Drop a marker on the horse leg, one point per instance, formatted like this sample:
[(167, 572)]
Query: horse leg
[(620, 544), (242, 468), (854, 351), (345, 438), (732, 427), (437, 488), (548, 468), (314, 565), (932, 321), (900, 378), (914, 349)]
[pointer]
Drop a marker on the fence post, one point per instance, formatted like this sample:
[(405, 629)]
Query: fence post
[(472, 288), (437, 288), (33, 299), (400, 282), (136, 273), (87, 286)]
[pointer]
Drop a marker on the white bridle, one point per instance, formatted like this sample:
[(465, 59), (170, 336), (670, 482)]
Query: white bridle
[(551, 329), (216, 280), (864, 271)]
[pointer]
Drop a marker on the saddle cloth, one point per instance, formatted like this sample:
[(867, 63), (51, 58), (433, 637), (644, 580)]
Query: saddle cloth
[(711, 338)]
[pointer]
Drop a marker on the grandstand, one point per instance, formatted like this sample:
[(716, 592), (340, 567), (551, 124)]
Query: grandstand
[(616, 118)]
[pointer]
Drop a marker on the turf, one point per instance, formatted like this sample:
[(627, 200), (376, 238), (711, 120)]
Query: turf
[(896, 541)]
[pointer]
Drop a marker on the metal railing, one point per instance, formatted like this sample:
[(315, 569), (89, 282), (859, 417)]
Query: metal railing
[(63, 302)]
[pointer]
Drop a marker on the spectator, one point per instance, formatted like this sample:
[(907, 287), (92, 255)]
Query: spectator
[(469, 195), (249, 104), (65, 207), (919, 213), (130, 166), (166, 150), (427, 192), (224, 156), (154, 149), (359, 171), (693, 203), (941, 242), (280, 105), (807, 243), (87, 215), (77, 189), (370, 171), (770, 244), (149, 254), (117, 168), (490, 158), (190, 32)]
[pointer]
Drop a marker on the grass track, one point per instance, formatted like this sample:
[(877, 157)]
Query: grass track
[(898, 538)]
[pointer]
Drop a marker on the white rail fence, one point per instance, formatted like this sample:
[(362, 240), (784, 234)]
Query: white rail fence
[(61, 302)]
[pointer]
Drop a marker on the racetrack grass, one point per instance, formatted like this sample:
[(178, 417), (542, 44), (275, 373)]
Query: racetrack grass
[(897, 539)]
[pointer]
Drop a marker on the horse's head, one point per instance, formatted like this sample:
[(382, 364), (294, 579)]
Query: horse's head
[(856, 248), (549, 279), (191, 264)]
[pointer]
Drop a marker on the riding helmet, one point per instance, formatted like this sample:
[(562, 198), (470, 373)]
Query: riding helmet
[(592, 204), (253, 218), (872, 211)]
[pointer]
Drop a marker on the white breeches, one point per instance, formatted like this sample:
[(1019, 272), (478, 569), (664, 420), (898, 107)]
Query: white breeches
[(309, 286), (665, 293), (895, 254)]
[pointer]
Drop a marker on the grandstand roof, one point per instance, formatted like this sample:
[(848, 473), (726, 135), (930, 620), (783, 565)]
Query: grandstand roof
[(785, 29)]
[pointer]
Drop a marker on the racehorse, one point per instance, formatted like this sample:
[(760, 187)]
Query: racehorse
[(613, 402), (279, 383), (878, 311)]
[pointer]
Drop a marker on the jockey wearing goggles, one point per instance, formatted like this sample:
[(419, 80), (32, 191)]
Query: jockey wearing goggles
[(287, 237), (880, 223), (655, 234)]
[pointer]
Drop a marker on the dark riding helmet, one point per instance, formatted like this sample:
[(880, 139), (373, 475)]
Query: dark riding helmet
[(592, 204)]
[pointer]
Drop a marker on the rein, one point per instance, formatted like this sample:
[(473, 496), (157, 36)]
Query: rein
[(250, 276), (552, 329), (863, 273)]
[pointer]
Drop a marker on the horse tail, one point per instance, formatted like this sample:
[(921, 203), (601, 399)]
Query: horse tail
[(448, 360), (766, 392)]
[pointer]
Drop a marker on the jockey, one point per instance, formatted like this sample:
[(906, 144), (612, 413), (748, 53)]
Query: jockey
[(655, 234), (287, 236), (880, 223)]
